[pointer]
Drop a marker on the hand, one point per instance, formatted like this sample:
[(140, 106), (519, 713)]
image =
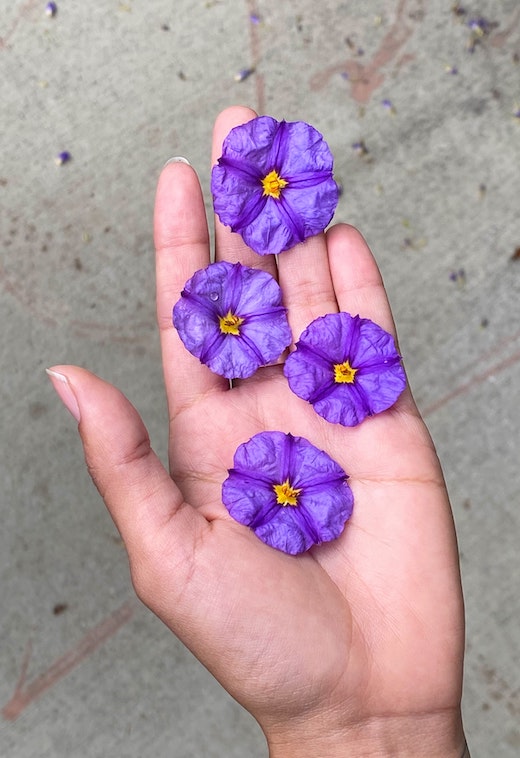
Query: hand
[(354, 648)]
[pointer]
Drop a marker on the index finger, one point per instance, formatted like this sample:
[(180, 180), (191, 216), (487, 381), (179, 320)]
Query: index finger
[(182, 247)]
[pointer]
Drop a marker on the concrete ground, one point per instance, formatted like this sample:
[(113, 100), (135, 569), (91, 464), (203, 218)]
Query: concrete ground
[(420, 108)]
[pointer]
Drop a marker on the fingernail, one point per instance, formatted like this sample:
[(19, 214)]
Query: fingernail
[(65, 392), (177, 159)]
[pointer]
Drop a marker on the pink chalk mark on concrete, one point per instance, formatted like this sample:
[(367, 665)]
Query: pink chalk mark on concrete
[(494, 370), (364, 79), (462, 389), (25, 693), (499, 38), (13, 288), (23, 12), (112, 334)]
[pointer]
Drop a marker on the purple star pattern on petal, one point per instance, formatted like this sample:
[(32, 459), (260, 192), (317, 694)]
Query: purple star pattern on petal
[(290, 493), (232, 319), (347, 367), (274, 184)]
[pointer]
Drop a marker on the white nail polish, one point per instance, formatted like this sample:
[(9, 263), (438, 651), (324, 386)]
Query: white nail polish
[(177, 159), (65, 392)]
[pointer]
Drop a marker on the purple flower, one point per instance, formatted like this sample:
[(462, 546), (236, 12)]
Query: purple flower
[(51, 9), (347, 367), (63, 157), (289, 492), (273, 183), (386, 103), (480, 25), (232, 319), (360, 148), (243, 74)]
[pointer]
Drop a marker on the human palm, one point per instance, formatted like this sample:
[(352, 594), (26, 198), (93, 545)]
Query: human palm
[(367, 629)]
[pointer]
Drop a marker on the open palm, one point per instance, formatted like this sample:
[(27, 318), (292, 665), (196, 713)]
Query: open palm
[(357, 642)]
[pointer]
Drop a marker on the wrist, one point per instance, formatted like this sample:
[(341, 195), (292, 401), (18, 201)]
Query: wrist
[(414, 736)]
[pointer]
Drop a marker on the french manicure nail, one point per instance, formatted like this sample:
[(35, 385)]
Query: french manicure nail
[(177, 159), (65, 392)]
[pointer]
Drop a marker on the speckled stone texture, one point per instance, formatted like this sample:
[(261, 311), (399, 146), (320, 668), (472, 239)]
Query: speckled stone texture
[(427, 149)]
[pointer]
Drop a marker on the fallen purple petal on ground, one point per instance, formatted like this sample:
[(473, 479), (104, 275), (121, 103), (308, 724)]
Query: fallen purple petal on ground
[(63, 157)]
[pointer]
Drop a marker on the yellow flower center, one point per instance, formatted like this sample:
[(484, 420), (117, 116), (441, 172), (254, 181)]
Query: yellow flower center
[(273, 184), (285, 494), (344, 373), (229, 323)]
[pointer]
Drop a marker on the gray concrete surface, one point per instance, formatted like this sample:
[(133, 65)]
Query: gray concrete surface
[(84, 669)]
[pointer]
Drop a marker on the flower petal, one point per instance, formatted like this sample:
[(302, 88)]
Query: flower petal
[(304, 150), (344, 405), (315, 205), (328, 508), (248, 499), (237, 200), (286, 532), (259, 292), (250, 144), (269, 233), (263, 457)]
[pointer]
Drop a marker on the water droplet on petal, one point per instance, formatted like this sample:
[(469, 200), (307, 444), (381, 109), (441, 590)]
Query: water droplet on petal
[(213, 296)]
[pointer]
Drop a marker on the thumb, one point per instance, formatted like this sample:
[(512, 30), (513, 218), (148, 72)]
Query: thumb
[(158, 528)]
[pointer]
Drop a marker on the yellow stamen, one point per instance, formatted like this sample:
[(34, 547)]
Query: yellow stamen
[(285, 494), (273, 184), (229, 323), (344, 373)]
